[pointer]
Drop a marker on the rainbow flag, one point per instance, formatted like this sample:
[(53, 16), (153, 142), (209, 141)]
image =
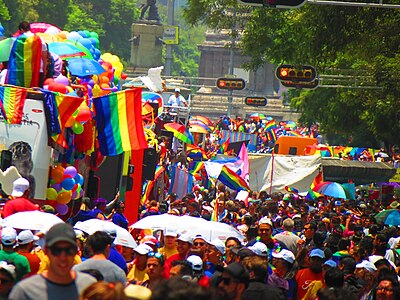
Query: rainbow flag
[(148, 186), (311, 195), (291, 190), (232, 180), (224, 147), (24, 62), (198, 165), (271, 135), (270, 125), (119, 122), (58, 109), (12, 100)]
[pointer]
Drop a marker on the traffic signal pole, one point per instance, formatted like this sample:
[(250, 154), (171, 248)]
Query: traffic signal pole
[(231, 59)]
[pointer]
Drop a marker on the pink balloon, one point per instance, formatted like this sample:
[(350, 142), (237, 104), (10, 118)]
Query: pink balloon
[(62, 209), (70, 171)]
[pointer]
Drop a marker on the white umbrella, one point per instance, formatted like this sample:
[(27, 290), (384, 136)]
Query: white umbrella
[(33, 220), (124, 238), (191, 225)]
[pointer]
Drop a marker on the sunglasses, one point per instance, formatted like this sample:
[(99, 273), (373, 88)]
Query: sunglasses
[(157, 255), (201, 244), (56, 251)]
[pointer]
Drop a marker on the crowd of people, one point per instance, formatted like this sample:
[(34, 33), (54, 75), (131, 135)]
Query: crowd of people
[(292, 248)]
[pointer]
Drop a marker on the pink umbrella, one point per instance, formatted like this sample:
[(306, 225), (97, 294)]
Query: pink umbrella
[(41, 28)]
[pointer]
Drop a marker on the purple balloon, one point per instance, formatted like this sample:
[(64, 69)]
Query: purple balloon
[(62, 209), (70, 171), (57, 187), (62, 79)]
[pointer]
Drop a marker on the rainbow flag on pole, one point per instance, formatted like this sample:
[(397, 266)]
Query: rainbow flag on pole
[(12, 100), (24, 62), (232, 180), (58, 109), (119, 122)]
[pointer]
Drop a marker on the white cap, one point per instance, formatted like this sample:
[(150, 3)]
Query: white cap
[(177, 90), (217, 243), (8, 236), (170, 232), (19, 187), (265, 220), (259, 249), (9, 268), (285, 255), (367, 265), (143, 249), (25, 237), (199, 236), (185, 238), (197, 263)]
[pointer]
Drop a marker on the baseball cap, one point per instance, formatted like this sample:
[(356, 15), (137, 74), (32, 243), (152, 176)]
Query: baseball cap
[(177, 90), (238, 272), (367, 265), (317, 253), (199, 236), (25, 237), (149, 240), (9, 268), (61, 232), (285, 255), (110, 230), (338, 203), (8, 236), (259, 249), (265, 220), (170, 232), (143, 249), (185, 238), (217, 243), (19, 187), (330, 263), (197, 263)]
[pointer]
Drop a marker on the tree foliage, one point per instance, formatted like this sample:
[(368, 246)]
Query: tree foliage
[(361, 43)]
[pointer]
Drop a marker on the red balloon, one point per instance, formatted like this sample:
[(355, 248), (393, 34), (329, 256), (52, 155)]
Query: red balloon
[(48, 81), (84, 115), (124, 76), (58, 87)]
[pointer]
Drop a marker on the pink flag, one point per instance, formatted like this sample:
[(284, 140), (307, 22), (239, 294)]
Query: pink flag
[(245, 158)]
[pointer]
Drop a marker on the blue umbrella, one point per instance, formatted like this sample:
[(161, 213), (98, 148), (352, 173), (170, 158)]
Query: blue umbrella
[(332, 189), (84, 67), (65, 49), (389, 217)]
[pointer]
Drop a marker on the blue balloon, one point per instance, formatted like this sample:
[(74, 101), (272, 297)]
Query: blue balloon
[(79, 179), (68, 184), (87, 43)]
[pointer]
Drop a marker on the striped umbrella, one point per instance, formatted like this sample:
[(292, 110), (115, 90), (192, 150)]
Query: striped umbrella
[(179, 132), (202, 119)]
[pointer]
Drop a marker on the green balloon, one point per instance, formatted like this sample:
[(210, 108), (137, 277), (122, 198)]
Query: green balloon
[(77, 128), (94, 35)]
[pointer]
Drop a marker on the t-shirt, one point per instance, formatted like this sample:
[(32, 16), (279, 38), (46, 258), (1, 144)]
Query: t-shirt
[(120, 220), (168, 252), (17, 205), (110, 271), (304, 278), (21, 262), (117, 259), (39, 287), (137, 275), (176, 101), (34, 262)]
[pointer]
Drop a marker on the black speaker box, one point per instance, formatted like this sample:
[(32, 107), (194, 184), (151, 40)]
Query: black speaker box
[(150, 160)]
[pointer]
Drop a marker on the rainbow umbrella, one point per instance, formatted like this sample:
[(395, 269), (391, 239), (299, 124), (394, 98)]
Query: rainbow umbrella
[(199, 127), (389, 217), (65, 49), (82, 48), (179, 132), (257, 116), (202, 119)]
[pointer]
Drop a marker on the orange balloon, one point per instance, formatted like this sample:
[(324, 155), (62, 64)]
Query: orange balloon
[(70, 121), (57, 174), (64, 197), (104, 80)]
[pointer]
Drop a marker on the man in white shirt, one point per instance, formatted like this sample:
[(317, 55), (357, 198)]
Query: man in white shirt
[(177, 99)]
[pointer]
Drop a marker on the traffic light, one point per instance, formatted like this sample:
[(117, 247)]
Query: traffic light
[(274, 3), (255, 101), (301, 84), (294, 73), (231, 83)]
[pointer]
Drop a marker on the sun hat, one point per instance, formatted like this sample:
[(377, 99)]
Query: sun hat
[(285, 255), (19, 187)]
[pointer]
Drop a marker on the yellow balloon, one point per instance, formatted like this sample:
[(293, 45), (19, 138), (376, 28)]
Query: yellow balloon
[(51, 194), (95, 78), (64, 197)]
